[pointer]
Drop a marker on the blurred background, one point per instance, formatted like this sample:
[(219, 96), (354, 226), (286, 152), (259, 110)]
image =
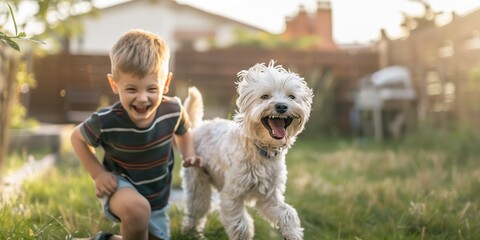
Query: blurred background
[(336, 53), (383, 72)]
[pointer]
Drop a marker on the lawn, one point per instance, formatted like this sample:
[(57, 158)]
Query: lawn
[(424, 187)]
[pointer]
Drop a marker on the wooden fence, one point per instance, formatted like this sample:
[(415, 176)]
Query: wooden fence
[(445, 64), (71, 86)]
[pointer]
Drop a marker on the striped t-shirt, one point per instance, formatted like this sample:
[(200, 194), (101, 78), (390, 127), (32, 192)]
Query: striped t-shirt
[(144, 156)]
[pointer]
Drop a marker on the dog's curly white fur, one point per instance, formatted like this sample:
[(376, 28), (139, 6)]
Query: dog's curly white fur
[(245, 158)]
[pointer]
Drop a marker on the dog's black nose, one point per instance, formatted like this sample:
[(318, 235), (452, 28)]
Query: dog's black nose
[(281, 107)]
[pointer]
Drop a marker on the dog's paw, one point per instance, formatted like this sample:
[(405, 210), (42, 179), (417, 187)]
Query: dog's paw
[(294, 236), (195, 161)]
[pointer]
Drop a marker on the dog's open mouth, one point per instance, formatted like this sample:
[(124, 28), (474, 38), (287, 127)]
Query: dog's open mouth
[(277, 125)]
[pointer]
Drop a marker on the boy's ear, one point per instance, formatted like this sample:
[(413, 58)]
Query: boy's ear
[(167, 83), (112, 83)]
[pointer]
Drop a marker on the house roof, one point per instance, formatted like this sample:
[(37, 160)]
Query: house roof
[(185, 6)]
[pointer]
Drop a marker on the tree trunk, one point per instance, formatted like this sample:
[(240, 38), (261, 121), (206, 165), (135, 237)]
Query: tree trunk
[(9, 60)]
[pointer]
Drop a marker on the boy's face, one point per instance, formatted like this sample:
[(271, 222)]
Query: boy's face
[(140, 97)]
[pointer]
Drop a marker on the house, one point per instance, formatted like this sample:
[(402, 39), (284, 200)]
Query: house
[(180, 25)]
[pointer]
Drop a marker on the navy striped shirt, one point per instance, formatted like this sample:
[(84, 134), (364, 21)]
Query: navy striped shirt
[(144, 156)]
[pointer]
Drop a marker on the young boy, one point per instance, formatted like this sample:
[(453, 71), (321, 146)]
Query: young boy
[(137, 134)]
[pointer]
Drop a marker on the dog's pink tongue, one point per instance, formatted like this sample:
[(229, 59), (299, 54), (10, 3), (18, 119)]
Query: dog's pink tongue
[(278, 127)]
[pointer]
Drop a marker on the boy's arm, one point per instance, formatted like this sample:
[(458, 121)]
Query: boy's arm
[(105, 182), (185, 145)]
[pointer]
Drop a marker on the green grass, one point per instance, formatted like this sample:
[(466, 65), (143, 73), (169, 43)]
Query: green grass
[(423, 187)]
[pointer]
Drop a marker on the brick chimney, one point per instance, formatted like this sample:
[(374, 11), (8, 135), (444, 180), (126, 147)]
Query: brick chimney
[(320, 25), (299, 25)]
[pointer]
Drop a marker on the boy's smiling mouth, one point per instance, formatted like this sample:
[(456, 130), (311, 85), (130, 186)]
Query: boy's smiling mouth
[(141, 109)]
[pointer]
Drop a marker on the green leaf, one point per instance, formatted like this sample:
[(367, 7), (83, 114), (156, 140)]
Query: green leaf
[(21, 35), (13, 18), (10, 42)]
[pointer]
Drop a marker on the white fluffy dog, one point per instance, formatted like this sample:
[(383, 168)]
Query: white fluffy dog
[(245, 158)]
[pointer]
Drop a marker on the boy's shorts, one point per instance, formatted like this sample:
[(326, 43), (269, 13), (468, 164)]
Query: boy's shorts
[(159, 225)]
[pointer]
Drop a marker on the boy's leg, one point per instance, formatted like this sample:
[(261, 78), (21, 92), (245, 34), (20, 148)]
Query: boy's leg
[(159, 227), (133, 210)]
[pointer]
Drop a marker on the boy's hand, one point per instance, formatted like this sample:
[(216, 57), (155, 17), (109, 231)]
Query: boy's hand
[(195, 161), (105, 184)]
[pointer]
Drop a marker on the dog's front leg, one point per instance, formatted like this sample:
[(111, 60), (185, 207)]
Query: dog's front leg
[(274, 209), (235, 218), (197, 191)]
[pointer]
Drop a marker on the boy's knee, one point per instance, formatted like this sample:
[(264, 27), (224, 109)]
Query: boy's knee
[(136, 213), (132, 208)]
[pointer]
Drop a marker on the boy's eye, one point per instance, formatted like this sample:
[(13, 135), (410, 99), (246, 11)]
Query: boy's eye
[(130, 89)]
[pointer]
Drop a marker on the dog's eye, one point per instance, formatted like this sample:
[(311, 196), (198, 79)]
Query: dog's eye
[(264, 96), (291, 96)]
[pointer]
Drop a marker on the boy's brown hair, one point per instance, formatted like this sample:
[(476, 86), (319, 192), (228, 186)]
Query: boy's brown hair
[(140, 53)]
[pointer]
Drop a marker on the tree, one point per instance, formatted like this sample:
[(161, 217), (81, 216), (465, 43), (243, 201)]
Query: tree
[(58, 19), (413, 23), (8, 62), (8, 67), (272, 41)]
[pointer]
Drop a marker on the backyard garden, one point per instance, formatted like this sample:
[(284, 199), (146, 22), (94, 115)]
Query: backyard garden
[(424, 186)]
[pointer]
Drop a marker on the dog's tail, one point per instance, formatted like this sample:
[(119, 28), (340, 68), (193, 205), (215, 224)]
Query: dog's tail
[(194, 106)]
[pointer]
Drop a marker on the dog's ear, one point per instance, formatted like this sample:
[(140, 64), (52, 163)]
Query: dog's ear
[(309, 92), (241, 75)]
